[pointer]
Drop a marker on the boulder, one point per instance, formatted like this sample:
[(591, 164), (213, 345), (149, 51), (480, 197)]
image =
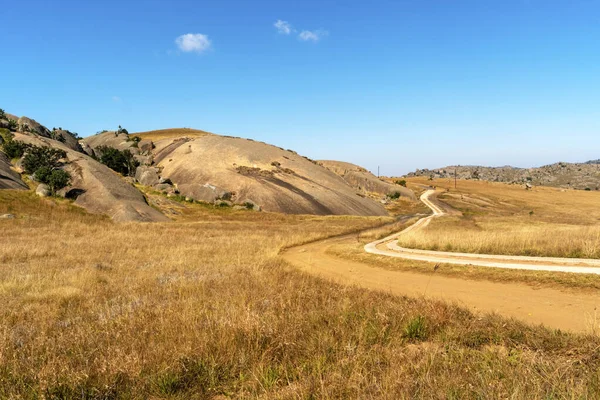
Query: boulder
[(42, 190), (251, 205), (67, 138), (34, 126), (164, 187), (145, 146), (9, 179), (208, 193), (147, 176)]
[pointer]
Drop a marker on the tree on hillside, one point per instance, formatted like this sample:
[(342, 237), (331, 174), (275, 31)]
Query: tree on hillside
[(37, 157), (121, 161), (2, 114)]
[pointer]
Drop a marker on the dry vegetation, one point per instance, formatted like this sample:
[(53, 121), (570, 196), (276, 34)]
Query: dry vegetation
[(507, 219), (171, 133), (93, 309)]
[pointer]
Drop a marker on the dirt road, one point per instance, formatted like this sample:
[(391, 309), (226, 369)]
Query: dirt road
[(563, 309), (389, 247)]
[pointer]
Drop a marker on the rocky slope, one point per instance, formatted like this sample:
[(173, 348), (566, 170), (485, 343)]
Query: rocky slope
[(227, 170), (584, 176), (93, 185), (364, 181), (9, 179)]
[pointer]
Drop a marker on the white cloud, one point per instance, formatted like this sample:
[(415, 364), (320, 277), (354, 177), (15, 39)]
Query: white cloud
[(283, 27), (193, 43), (116, 99), (312, 36)]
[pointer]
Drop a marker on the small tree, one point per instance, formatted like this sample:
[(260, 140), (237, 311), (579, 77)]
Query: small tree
[(37, 157), (401, 182), (56, 179), (14, 148), (2, 114), (121, 161)]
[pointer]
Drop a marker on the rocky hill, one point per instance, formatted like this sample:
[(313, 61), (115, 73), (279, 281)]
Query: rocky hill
[(583, 176), (186, 163), (234, 171)]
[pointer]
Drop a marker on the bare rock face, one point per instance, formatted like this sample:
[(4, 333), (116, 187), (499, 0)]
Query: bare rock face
[(67, 138), (363, 180), (147, 176), (97, 188), (217, 168), (31, 125), (207, 193), (9, 179)]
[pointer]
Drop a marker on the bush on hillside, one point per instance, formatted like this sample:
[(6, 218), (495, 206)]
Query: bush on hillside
[(401, 182), (12, 125), (37, 157), (2, 114), (56, 179), (121, 161), (394, 196), (14, 148)]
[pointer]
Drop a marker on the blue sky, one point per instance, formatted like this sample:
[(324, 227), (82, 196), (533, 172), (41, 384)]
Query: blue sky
[(400, 84)]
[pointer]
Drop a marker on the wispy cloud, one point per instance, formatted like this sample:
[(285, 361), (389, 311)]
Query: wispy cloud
[(283, 27), (117, 99), (193, 43), (312, 36)]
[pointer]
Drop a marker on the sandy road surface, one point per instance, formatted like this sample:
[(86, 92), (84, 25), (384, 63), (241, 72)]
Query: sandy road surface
[(563, 309), (389, 247)]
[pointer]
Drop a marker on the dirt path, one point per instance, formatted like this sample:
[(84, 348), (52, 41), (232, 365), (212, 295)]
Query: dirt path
[(569, 310), (389, 247), (566, 310)]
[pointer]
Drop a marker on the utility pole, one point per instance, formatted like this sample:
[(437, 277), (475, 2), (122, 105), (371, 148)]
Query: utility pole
[(455, 177), (378, 171)]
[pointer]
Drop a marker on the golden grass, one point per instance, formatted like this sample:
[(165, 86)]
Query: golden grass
[(204, 308), (171, 133), (507, 219)]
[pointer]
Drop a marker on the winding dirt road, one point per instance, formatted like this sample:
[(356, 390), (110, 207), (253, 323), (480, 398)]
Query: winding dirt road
[(570, 310), (389, 247)]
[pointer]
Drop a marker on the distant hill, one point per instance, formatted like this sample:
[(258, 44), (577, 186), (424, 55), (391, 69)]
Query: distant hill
[(584, 176)]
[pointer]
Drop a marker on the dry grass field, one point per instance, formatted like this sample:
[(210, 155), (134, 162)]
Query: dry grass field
[(171, 133), (204, 308), (507, 219)]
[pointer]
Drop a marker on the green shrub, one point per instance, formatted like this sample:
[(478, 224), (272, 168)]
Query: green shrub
[(14, 148), (401, 182), (12, 125), (37, 157), (56, 179), (2, 114), (121, 161), (6, 135), (394, 196)]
